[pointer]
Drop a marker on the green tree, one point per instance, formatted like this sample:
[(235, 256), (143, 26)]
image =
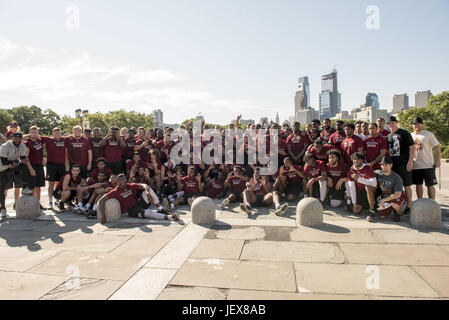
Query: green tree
[(34, 116), (5, 119)]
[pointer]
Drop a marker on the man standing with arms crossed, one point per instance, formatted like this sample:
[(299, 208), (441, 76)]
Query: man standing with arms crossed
[(402, 152), (424, 164)]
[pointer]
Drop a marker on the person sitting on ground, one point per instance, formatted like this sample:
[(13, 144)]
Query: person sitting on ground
[(236, 184), (257, 193), (362, 184), (316, 178), (126, 194), (291, 179), (68, 189), (189, 188), (100, 167), (319, 150), (390, 191), (215, 186), (337, 173)]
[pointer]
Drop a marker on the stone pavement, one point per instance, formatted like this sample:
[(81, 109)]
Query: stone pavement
[(64, 256)]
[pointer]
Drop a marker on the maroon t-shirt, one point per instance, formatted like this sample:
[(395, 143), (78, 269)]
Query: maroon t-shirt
[(94, 173), (77, 150), (257, 187), (113, 150), (144, 151), (190, 185), (338, 172), (160, 145), (215, 188), (72, 183), (56, 149), (349, 146), (36, 154), (325, 135), (314, 172), (373, 147), (292, 176), (237, 184), (297, 143), (336, 138), (126, 196), (323, 154), (128, 151), (384, 133), (97, 150), (131, 163), (365, 172)]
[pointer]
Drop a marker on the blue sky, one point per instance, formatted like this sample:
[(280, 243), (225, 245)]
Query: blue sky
[(220, 58)]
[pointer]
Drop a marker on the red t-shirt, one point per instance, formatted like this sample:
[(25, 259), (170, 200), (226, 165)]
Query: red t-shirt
[(126, 196), (72, 182), (237, 184), (384, 133), (349, 146), (131, 163), (215, 188), (56, 149), (77, 150), (325, 135), (323, 154), (292, 176), (144, 151), (113, 150), (258, 187), (160, 145), (36, 154), (297, 143), (338, 172), (373, 147), (151, 167), (336, 138), (190, 185), (128, 151), (97, 150), (365, 172), (314, 172), (94, 173)]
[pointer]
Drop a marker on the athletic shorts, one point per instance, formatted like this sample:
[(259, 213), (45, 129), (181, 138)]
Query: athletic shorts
[(15, 177), (337, 194), (55, 171), (83, 173), (362, 198), (38, 180), (116, 167), (259, 201), (427, 175), (57, 195), (293, 189), (186, 196), (237, 195), (386, 212), (404, 174), (316, 190), (139, 208)]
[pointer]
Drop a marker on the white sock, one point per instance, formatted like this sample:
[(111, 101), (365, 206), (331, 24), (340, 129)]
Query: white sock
[(170, 217), (352, 191), (172, 205), (88, 206), (179, 194), (277, 206), (80, 204), (151, 214), (160, 208), (323, 189), (94, 207), (170, 197)]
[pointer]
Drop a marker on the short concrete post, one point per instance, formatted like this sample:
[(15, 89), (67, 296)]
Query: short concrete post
[(309, 213), (27, 206), (425, 213), (203, 211), (112, 210)]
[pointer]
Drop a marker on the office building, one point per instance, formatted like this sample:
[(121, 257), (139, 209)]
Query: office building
[(302, 96), (422, 98), (330, 98), (372, 100), (158, 117), (400, 102)]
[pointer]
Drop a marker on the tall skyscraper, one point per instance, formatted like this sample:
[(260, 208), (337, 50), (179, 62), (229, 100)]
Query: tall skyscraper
[(158, 117), (330, 98), (400, 102), (302, 97), (277, 118), (372, 100), (422, 98)]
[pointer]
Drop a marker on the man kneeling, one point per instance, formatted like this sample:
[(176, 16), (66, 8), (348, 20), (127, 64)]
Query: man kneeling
[(126, 194)]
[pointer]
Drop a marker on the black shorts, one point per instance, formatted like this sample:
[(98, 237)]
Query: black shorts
[(139, 208), (362, 198), (14, 177), (55, 171), (335, 194), (427, 175), (259, 201), (293, 189), (83, 172), (316, 191), (186, 196), (116, 167), (238, 195), (57, 195), (404, 174), (38, 180)]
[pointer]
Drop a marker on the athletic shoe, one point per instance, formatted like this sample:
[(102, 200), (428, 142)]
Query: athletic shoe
[(349, 208), (163, 211), (406, 212), (225, 203), (396, 217), (14, 207), (3, 214), (245, 208), (190, 200), (61, 206), (165, 203), (371, 216), (50, 204), (92, 214), (175, 216), (42, 207), (281, 210)]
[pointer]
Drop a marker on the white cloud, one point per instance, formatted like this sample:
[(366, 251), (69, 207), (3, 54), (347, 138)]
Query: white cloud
[(63, 80)]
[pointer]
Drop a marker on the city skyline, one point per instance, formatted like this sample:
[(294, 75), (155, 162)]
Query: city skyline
[(185, 58)]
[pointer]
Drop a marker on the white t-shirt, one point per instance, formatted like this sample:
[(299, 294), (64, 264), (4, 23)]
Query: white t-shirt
[(364, 137), (424, 144)]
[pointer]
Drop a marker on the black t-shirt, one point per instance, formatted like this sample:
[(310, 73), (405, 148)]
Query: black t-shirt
[(399, 143)]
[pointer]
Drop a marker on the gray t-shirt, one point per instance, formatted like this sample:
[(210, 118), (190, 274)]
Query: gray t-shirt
[(424, 144), (388, 184)]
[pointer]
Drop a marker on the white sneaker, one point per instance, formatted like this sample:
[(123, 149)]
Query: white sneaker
[(50, 204), (280, 212), (3, 214), (225, 203)]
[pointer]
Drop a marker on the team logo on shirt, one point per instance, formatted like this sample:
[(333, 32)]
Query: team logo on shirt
[(77, 144), (126, 194)]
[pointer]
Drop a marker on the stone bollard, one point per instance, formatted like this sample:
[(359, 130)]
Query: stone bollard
[(27, 206), (112, 209), (309, 213), (425, 213), (203, 211)]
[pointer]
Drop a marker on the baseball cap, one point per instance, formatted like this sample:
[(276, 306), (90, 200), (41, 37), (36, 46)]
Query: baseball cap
[(17, 135), (13, 124), (131, 130), (392, 119), (386, 160), (417, 120)]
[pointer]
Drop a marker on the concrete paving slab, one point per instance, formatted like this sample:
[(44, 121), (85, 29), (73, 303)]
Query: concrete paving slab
[(292, 251), (277, 276), (155, 230), (411, 236), (331, 233), (395, 254), (437, 278), (281, 222), (22, 259), (145, 246), (92, 265), (26, 286), (146, 284), (83, 289), (251, 233), (219, 249), (359, 280), (235, 294), (192, 293), (86, 227), (22, 224), (26, 239)]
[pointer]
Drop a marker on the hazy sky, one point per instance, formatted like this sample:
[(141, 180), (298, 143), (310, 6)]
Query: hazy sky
[(220, 58)]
